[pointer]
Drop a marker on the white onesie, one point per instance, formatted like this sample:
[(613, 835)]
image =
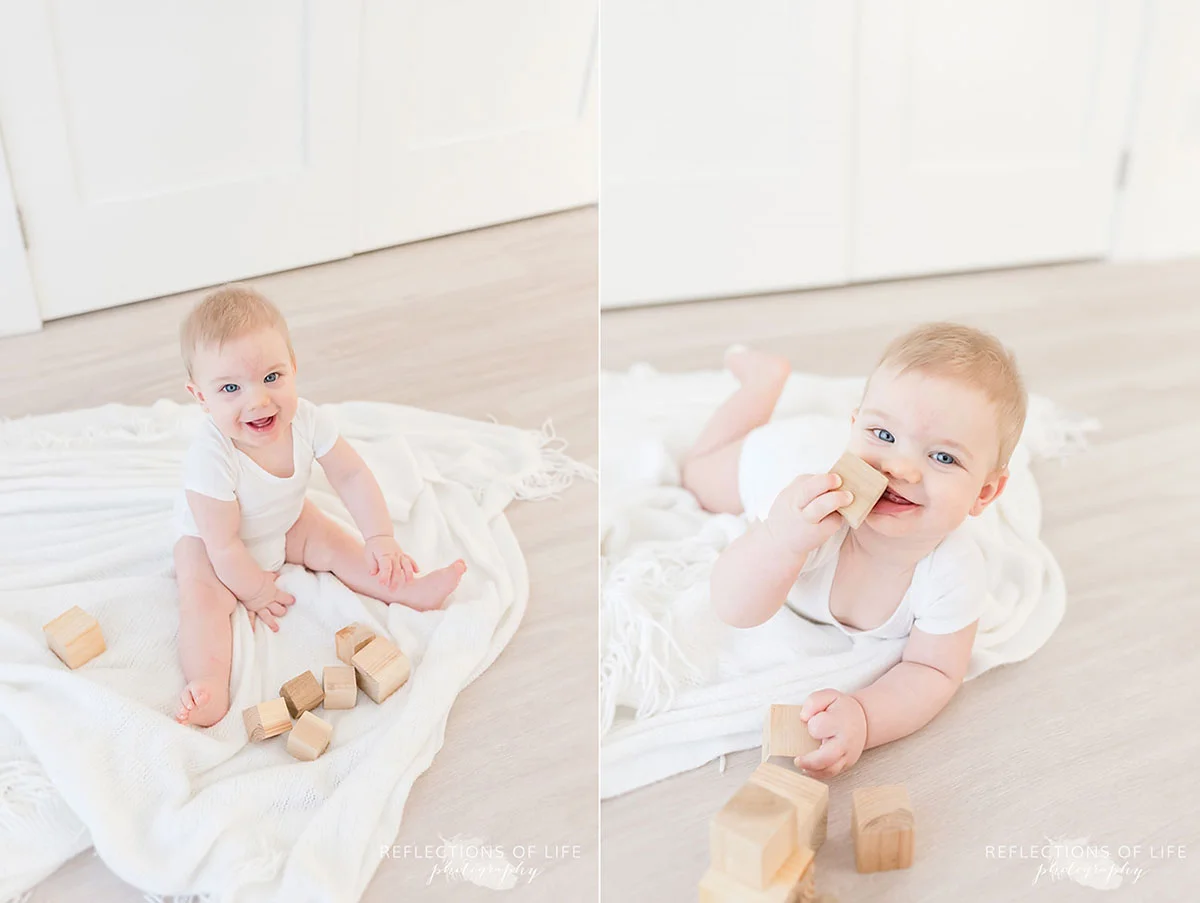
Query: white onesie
[(269, 504), (948, 585)]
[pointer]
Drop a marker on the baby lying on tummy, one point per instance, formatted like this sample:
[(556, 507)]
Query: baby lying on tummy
[(940, 417), (243, 513)]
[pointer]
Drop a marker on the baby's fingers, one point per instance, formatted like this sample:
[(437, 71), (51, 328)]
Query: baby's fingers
[(277, 608), (822, 726), (813, 486), (820, 759), (282, 598), (824, 774), (825, 504), (409, 567), (267, 618), (385, 571)]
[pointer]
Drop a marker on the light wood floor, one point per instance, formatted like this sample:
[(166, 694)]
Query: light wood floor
[(496, 322), (1095, 736)]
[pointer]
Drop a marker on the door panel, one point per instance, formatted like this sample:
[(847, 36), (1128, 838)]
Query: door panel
[(473, 112), (725, 148), (989, 134), (160, 147)]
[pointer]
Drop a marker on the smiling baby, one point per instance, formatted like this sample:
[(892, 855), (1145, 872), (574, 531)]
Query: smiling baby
[(242, 513), (940, 417)]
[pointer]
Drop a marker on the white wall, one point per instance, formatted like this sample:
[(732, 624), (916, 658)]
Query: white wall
[(18, 306), (1159, 210)]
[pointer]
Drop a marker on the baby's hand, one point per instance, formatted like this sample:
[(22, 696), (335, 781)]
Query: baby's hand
[(839, 721), (386, 559), (269, 603), (805, 514)]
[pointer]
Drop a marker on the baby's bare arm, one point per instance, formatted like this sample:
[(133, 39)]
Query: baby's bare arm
[(752, 577), (218, 523), (919, 686), (358, 489)]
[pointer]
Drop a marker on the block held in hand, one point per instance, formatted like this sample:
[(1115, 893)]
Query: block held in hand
[(864, 482)]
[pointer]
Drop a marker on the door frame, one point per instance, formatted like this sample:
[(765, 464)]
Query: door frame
[(19, 311)]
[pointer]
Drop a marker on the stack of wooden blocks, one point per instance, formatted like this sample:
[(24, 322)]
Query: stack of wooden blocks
[(764, 841), (371, 662)]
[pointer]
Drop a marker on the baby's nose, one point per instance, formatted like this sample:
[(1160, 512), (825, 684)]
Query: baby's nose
[(901, 468)]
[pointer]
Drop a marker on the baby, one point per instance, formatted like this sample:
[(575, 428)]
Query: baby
[(243, 512), (940, 417)]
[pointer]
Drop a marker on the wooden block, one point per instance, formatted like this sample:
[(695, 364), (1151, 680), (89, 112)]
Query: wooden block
[(784, 734), (793, 883), (882, 824), (309, 738), (381, 668), (808, 795), (302, 694), (75, 637), (350, 640), (267, 719), (864, 481), (341, 688), (753, 835)]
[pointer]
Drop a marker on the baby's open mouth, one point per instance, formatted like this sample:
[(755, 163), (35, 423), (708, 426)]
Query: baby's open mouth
[(889, 496), (261, 425)]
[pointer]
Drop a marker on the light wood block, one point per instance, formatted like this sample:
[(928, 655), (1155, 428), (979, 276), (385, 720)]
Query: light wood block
[(350, 640), (753, 835), (381, 668), (808, 795), (302, 694), (309, 738), (341, 688), (784, 734), (794, 883), (75, 637), (864, 482), (267, 719), (882, 824)]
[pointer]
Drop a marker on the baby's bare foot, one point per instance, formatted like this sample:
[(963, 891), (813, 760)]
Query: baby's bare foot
[(203, 703), (430, 591), (754, 367)]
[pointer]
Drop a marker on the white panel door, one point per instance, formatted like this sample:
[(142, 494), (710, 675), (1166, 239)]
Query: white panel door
[(1159, 207), (726, 147), (473, 112), (989, 134), (156, 147)]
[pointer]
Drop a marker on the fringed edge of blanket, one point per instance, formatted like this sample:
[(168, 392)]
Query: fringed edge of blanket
[(555, 470)]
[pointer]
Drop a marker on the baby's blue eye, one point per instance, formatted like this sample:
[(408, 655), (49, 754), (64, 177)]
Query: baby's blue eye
[(271, 377), (881, 433), (943, 458), (229, 388)]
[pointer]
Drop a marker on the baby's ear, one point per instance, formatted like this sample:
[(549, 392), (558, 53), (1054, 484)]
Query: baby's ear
[(194, 391), (990, 491)]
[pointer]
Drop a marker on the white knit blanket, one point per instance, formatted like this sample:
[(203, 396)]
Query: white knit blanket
[(678, 687), (93, 757)]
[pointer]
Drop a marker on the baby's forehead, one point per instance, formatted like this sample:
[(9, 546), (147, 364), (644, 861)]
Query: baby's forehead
[(933, 400), (251, 349)]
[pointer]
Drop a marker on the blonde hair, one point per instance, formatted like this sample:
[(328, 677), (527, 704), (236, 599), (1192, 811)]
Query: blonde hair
[(971, 356), (227, 313)]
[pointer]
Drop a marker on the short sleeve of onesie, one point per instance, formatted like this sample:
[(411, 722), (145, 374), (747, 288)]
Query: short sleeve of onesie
[(208, 467), (952, 597), (317, 426)]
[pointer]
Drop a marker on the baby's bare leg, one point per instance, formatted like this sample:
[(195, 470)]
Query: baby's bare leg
[(205, 635), (709, 469), (317, 542)]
